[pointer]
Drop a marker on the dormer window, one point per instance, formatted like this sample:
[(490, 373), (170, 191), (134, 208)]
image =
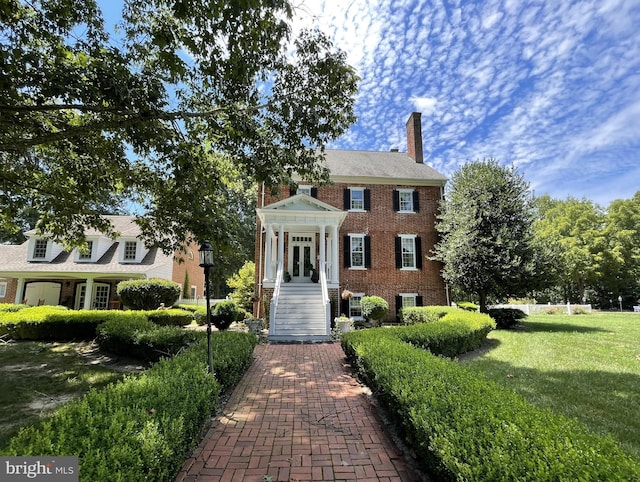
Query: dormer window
[(87, 255), (130, 250), (40, 249)]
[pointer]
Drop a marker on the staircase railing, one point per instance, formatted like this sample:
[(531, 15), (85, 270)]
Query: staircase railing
[(325, 296), (274, 299)]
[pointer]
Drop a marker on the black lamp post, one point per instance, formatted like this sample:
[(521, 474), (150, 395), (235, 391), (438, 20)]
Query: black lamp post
[(206, 261)]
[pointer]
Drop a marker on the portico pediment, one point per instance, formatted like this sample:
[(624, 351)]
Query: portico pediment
[(301, 207)]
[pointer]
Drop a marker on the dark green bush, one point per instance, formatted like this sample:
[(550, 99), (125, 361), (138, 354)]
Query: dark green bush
[(57, 323), (148, 294), (143, 339), (139, 429), (464, 427), (374, 307), (172, 317), (507, 317), (199, 312), (225, 313)]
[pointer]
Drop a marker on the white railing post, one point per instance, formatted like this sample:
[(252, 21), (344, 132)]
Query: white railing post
[(274, 300), (325, 296)]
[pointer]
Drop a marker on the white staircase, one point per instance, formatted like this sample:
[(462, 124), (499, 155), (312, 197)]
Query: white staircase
[(300, 314)]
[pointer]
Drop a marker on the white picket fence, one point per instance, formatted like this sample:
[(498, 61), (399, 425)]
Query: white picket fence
[(535, 309)]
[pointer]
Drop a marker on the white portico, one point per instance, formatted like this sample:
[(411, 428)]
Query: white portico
[(300, 232)]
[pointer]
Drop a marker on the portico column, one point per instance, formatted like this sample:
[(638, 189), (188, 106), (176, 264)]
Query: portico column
[(281, 245), (335, 266), (20, 291), (323, 248), (268, 271), (88, 294)]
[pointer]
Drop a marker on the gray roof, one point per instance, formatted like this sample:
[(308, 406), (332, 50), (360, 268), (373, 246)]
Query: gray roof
[(124, 225), (380, 167)]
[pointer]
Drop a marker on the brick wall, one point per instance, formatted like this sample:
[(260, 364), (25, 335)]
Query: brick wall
[(189, 264), (383, 224)]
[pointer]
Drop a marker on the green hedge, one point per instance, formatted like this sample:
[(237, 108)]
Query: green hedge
[(58, 323), (148, 294), (143, 427), (465, 427), (143, 339), (171, 317), (4, 307), (424, 314)]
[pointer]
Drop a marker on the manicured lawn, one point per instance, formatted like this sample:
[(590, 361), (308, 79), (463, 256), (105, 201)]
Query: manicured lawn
[(37, 377), (584, 366)]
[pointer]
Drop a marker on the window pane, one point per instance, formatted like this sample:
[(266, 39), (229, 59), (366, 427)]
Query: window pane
[(87, 255), (357, 251), (130, 249), (408, 301), (40, 248), (406, 201), (357, 199), (354, 306), (408, 253), (3, 290)]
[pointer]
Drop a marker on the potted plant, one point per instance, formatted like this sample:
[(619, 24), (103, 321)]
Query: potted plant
[(344, 323), (315, 276), (287, 277), (374, 308)]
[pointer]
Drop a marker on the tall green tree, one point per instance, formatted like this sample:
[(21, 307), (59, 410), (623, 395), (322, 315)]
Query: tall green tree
[(486, 237), (243, 285), (575, 228), (155, 115)]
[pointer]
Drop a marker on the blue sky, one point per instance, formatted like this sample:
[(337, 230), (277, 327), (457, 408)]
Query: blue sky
[(552, 87)]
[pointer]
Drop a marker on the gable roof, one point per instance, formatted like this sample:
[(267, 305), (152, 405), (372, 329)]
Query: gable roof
[(125, 225), (379, 167)]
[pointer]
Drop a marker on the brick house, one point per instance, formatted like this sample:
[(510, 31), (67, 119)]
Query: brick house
[(40, 271), (368, 233)]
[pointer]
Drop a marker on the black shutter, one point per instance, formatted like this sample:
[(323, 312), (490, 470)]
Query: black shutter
[(314, 192), (344, 307), (346, 251), (398, 252), (367, 251), (396, 200), (367, 199), (418, 252), (347, 199), (398, 306), (292, 189), (416, 201), (419, 301)]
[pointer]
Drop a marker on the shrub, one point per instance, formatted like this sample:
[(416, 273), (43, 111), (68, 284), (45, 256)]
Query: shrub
[(199, 312), (554, 310), (143, 339), (465, 427), (173, 317), (56, 323), (507, 317), (148, 294), (7, 307), (225, 313), (374, 307), (579, 310), (424, 314), (243, 285)]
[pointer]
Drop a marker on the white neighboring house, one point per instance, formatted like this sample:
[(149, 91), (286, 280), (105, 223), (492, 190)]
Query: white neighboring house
[(40, 272)]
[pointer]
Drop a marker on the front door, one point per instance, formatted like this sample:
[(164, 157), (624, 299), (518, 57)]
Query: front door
[(302, 248)]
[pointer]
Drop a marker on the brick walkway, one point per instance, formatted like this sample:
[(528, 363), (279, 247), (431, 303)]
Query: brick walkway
[(297, 415)]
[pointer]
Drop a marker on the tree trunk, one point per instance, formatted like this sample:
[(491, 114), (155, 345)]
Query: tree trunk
[(483, 302)]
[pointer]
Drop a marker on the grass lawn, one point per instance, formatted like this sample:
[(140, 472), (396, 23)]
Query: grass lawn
[(583, 366), (36, 377)]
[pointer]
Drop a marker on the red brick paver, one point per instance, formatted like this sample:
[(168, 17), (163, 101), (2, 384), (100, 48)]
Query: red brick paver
[(297, 415)]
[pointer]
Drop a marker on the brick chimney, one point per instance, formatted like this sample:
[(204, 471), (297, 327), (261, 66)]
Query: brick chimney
[(414, 137)]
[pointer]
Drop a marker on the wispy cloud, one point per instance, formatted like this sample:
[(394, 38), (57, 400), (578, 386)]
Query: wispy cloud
[(553, 87)]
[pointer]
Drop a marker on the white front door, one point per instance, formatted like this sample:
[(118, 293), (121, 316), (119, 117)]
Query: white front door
[(302, 256), (99, 298)]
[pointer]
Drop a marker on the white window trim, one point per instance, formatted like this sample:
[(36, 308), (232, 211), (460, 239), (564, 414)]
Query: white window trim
[(351, 208), (355, 295), (404, 296), (364, 255), (410, 192), (3, 289), (415, 254), (304, 189), (123, 250), (46, 251), (78, 256)]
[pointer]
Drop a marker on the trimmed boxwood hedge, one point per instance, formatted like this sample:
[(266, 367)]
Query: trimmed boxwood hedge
[(143, 427), (58, 323), (171, 317), (465, 427)]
